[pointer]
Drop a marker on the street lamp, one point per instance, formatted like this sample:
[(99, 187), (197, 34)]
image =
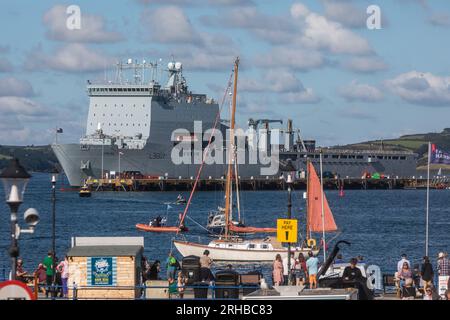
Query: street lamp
[(291, 170), (15, 179), (55, 174)]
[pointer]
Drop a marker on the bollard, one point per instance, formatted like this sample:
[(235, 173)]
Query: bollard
[(74, 293), (36, 287)]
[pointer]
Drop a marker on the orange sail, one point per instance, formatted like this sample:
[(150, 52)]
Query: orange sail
[(314, 198)]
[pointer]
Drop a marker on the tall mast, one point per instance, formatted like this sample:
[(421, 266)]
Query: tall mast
[(231, 150), (308, 236)]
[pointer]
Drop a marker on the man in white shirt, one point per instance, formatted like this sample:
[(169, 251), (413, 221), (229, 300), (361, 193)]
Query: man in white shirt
[(286, 270), (400, 263)]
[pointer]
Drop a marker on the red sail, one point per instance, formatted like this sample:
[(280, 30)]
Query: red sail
[(237, 229), (314, 199)]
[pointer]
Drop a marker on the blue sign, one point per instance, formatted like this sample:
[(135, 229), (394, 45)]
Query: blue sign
[(101, 271)]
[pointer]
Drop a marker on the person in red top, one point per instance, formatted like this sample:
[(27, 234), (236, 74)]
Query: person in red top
[(300, 270), (20, 272), (41, 274)]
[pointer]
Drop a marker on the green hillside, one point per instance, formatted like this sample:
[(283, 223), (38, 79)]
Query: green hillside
[(417, 143), (33, 158)]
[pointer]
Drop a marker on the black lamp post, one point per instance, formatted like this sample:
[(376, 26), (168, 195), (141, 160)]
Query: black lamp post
[(290, 169), (15, 179), (55, 173)]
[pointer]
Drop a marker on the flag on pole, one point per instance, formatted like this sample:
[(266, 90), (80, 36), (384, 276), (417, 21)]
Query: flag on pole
[(59, 130), (439, 156)]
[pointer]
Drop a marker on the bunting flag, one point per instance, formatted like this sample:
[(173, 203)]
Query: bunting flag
[(439, 156)]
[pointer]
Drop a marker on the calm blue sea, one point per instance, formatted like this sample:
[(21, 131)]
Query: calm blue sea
[(380, 224)]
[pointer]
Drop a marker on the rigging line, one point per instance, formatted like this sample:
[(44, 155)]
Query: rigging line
[(198, 224), (206, 149)]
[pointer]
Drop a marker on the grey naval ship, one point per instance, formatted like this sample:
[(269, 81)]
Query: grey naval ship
[(130, 128)]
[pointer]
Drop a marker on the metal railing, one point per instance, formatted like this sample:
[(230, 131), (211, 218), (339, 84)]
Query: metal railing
[(210, 291)]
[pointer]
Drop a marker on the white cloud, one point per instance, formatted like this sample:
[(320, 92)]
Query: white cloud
[(421, 88), (196, 59), (5, 65), (360, 92), (72, 57), (283, 82), (92, 27), (346, 13), (4, 49), (299, 28), (365, 64), (169, 25), (320, 33), (14, 87), (440, 19), (21, 107), (305, 96), (199, 2), (292, 57), (199, 51)]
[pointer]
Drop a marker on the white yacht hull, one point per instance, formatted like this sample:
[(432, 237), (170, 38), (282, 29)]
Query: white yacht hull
[(234, 254)]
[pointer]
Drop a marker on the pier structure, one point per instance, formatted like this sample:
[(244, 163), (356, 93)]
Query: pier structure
[(268, 183)]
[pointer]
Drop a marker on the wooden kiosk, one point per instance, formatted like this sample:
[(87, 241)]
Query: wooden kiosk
[(105, 267)]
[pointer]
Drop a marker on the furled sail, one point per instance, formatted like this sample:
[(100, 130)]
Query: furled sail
[(238, 229), (314, 199)]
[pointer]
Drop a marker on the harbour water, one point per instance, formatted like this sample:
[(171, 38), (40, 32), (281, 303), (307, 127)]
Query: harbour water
[(380, 224)]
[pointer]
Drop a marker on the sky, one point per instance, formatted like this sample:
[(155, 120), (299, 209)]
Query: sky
[(315, 62)]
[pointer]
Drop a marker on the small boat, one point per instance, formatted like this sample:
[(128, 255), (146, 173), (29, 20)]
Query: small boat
[(150, 228), (85, 192), (216, 221), (239, 250)]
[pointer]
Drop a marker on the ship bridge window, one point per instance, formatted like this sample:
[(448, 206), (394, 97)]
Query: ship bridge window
[(325, 156), (359, 157), (380, 157), (335, 156), (133, 89), (352, 157), (115, 89), (251, 246), (402, 158), (343, 157), (394, 158)]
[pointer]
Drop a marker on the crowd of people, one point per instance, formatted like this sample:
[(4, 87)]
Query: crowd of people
[(302, 271), (51, 275), (411, 280), (412, 283)]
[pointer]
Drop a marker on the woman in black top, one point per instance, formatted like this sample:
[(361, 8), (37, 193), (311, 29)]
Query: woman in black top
[(427, 273)]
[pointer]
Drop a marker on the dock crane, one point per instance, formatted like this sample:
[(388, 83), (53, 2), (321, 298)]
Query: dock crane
[(254, 123)]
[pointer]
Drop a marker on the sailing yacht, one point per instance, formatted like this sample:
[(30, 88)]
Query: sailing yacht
[(230, 247)]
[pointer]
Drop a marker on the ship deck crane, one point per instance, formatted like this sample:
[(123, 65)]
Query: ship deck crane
[(255, 123)]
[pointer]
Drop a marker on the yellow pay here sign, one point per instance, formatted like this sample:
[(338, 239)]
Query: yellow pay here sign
[(287, 230)]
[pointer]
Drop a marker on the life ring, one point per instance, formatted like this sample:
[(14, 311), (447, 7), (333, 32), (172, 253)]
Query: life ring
[(311, 243)]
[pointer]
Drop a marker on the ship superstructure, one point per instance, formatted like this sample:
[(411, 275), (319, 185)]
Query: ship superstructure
[(131, 123)]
